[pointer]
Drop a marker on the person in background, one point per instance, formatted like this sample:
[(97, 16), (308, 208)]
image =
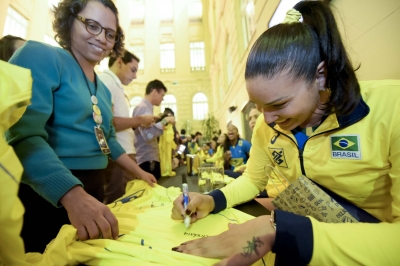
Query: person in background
[(166, 145), (8, 45), (204, 152), (236, 153), (218, 156), (122, 70), (193, 144), (213, 147), (65, 136), (253, 115), (317, 120), (262, 198), (147, 152), (183, 136), (168, 112)]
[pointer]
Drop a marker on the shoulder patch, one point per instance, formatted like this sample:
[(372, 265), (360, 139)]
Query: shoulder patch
[(240, 143), (278, 156), (346, 147)]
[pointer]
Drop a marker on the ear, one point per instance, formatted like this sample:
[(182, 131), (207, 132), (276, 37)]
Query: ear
[(119, 62), (320, 76)]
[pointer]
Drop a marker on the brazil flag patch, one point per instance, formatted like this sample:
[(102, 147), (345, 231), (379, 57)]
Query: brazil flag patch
[(346, 147)]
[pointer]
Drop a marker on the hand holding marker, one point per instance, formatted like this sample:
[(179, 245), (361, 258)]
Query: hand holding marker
[(185, 191)]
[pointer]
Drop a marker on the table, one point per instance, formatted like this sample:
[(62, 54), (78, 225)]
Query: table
[(252, 207)]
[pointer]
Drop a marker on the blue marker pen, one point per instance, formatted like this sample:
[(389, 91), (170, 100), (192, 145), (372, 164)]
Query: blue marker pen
[(185, 191)]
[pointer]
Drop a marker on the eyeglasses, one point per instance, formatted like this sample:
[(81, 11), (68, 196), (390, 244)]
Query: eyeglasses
[(93, 27)]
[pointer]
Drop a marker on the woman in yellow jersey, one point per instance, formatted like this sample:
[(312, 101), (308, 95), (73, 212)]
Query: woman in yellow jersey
[(204, 152), (319, 121), (218, 156), (166, 145)]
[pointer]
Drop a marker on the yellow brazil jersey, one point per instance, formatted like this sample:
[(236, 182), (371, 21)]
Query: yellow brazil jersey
[(147, 233), (15, 93)]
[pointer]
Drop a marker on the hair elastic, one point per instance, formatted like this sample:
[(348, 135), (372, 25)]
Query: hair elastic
[(293, 16)]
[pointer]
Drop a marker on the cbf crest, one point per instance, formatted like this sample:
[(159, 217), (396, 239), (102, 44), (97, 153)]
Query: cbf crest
[(278, 155)]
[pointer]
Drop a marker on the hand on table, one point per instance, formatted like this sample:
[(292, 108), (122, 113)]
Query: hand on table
[(89, 216), (199, 207), (242, 244)]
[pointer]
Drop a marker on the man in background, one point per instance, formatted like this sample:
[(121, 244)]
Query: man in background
[(147, 153), (122, 70)]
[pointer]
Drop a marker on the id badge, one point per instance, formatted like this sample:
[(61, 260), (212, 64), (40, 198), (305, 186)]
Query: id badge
[(101, 140)]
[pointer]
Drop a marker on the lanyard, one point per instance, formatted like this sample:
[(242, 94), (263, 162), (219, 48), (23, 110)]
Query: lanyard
[(98, 119)]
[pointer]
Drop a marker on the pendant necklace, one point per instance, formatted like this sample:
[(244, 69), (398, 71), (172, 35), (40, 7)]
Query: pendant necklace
[(97, 118)]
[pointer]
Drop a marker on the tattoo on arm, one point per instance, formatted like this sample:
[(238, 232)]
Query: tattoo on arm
[(252, 247)]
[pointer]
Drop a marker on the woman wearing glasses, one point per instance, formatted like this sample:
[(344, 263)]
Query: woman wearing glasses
[(66, 134)]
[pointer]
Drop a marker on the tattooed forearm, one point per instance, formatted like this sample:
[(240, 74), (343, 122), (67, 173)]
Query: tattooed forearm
[(252, 247)]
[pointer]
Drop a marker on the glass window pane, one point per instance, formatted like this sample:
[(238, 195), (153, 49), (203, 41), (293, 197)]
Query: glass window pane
[(138, 50), (16, 24), (197, 58), (195, 10), (167, 57), (200, 106), (165, 10), (170, 102), (137, 16)]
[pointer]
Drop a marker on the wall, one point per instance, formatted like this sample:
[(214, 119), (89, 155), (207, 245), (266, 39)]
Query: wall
[(371, 33)]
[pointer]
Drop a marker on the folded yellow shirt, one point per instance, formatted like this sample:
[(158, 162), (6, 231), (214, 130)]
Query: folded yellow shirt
[(147, 233)]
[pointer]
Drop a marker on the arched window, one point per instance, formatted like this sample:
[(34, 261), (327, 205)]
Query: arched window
[(170, 102), (200, 106), (133, 103)]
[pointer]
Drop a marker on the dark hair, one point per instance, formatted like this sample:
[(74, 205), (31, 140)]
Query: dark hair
[(169, 111), (183, 131), (299, 47), (155, 85), (7, 46), (198, 134), (64, 18), (127, 57)]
